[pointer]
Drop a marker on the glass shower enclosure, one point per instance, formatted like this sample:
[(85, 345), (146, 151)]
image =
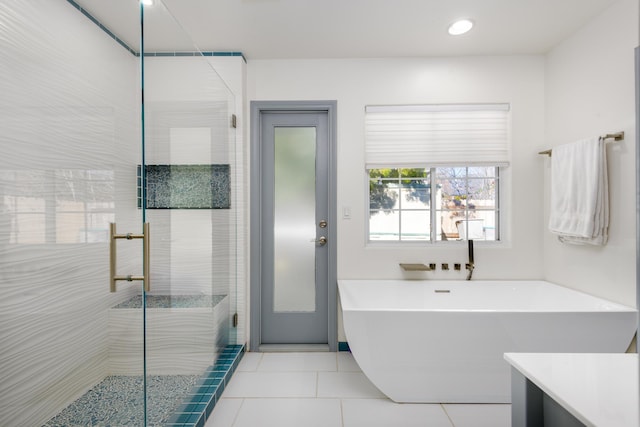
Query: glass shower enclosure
[(118, 218)]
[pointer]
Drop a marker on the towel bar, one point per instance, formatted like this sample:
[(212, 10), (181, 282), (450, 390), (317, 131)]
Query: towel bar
[(618, 136)]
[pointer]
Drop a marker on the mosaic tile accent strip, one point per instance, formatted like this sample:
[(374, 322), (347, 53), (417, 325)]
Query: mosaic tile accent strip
[(173, 301), (192, 53), (133, 52), (186, 186), (208, 390)]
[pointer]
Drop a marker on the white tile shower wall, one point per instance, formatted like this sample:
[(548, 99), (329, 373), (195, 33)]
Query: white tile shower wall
[(590, 91), (227, 251), (68, 107), (186, 128), (191, 247), (355, 83), (233, 70)]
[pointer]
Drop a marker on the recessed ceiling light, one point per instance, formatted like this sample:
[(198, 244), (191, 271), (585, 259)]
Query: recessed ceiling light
[(147, 2), (461, 26)]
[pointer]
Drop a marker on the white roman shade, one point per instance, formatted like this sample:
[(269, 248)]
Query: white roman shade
[(437, 135)]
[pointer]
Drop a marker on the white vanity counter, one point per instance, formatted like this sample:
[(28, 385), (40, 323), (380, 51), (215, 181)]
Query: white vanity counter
[(597, 389)]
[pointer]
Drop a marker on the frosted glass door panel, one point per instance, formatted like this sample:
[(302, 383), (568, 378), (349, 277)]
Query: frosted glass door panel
[(294, 219), (293, 183)]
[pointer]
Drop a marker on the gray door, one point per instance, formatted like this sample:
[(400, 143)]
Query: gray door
[(296, 230)]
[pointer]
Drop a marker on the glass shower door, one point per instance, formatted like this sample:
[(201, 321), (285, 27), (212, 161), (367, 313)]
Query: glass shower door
[(186, 188), (76, 347), (71, 351)]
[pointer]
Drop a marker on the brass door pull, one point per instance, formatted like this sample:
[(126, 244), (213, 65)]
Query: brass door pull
[(113, 277)]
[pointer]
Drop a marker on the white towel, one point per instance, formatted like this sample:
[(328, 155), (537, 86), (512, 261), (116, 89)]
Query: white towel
[(579, 211)]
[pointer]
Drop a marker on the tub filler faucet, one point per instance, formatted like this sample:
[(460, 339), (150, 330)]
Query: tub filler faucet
[(470, 263)]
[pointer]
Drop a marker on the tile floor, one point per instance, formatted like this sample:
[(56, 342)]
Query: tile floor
[(329, 390)]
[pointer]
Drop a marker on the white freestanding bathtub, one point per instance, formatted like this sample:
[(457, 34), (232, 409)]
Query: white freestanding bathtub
[(443, 341)]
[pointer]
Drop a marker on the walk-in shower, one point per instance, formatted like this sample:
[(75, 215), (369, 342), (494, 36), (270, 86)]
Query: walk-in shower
[(145, 341)]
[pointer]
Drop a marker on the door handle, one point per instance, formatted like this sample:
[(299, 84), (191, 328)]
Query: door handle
[(321, 241), (113, 277)]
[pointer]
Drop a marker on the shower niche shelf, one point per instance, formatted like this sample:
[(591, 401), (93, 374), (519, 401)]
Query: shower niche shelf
[(186, 186)]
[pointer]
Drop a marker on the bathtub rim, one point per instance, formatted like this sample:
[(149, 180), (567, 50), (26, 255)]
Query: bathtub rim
[(608, 305)]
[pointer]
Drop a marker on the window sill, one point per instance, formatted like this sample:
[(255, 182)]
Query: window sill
[(387, 244)]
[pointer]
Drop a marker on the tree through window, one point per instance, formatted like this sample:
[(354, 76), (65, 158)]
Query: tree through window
[(463, 204)]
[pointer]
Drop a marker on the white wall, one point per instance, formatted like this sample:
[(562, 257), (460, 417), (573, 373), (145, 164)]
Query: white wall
[(590, 91), (518, 80), (356, 83)]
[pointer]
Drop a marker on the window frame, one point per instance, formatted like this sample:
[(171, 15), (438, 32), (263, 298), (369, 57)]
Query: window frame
[(500, 224)]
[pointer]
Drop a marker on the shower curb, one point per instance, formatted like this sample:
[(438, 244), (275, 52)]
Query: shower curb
[(200, 402)]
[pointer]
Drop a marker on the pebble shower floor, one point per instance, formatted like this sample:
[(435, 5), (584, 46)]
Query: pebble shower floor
[(174, 400), (118, 401)]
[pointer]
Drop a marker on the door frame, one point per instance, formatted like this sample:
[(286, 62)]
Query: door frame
[(255, 223)]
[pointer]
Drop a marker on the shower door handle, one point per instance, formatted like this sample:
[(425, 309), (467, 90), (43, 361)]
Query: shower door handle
[(113, 277)]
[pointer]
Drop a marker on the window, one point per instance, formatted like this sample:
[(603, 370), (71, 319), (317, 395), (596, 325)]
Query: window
[(464, 204), (434, 171)]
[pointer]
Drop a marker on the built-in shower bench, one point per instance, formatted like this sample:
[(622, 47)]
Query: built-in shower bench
[(577, 389), (183, 333)]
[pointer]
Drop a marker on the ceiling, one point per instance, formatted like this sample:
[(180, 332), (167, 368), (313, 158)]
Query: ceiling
[(290, 29)]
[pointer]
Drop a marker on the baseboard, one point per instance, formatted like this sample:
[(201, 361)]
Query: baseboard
[(284, 348)]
